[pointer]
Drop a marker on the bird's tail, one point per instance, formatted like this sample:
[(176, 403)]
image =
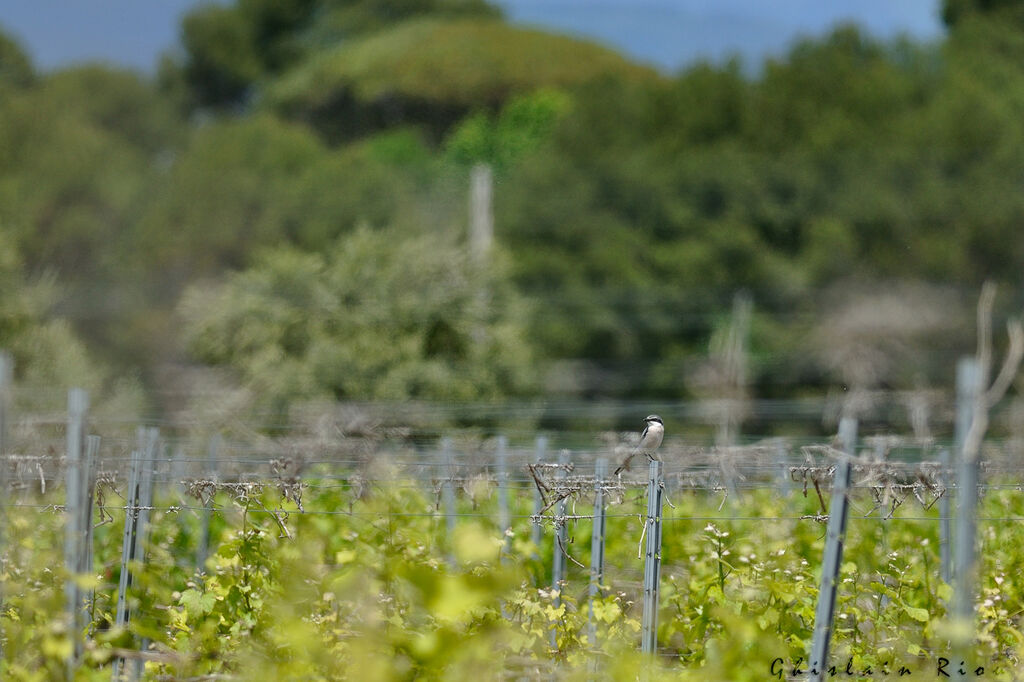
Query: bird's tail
[(625, 464)]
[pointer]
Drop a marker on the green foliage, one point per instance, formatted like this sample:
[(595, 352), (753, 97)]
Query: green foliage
[(115, 102), (223, 55), (218, 202), (955, 12), (45, 348), (388, 179), (75, 152), (379, 315), (230, 49), (848, 160), (630, 206), (15, 65), (376, 586), (79, 152), (343, 20), (391, 77), (36, 638), (522, 126)]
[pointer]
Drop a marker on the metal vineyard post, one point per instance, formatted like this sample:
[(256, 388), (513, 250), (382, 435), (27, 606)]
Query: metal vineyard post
[(837, 513), (652, 561), (968, 388), (597, 546), (504, 518), (558, 549), (127, 547), (448, 495), (6, 375), (74, 525), (538, 502)]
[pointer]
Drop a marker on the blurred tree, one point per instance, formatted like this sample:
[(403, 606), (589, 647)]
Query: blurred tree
[(345, 19), (626, 238), (48, 354), (976, 147), (118, 102), (653, 202), (379, 315), (631, 205), (79, 151), (956, 11), (387, 179), (523, 125), (38, 347), (222, 60), (220, 199), (76, 149), (229, 49), (245, 185), (15, 65), (391, 77)]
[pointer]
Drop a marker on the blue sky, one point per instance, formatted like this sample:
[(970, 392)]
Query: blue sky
[(667, 33)]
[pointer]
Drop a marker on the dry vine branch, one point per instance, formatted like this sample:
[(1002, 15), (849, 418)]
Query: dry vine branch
[(567, 555), (541, 487), (986, 398)]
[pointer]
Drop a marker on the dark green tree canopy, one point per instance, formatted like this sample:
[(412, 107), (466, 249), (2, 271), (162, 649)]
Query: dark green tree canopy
[(395, 318), (15, 65), (955, 11), (433, 72), (336, 143), (229, 49)]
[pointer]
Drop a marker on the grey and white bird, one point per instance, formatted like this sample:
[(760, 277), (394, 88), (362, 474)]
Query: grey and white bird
[(650, 439)]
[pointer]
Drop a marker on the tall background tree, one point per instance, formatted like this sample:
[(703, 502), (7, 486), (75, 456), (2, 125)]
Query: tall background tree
[(286, 145)]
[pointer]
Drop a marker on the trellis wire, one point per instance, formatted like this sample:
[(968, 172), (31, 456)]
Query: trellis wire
[(890, 482), (882, 478), (286, 512)]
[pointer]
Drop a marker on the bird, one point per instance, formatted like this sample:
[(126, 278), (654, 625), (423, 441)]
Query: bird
[(650, 439)]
